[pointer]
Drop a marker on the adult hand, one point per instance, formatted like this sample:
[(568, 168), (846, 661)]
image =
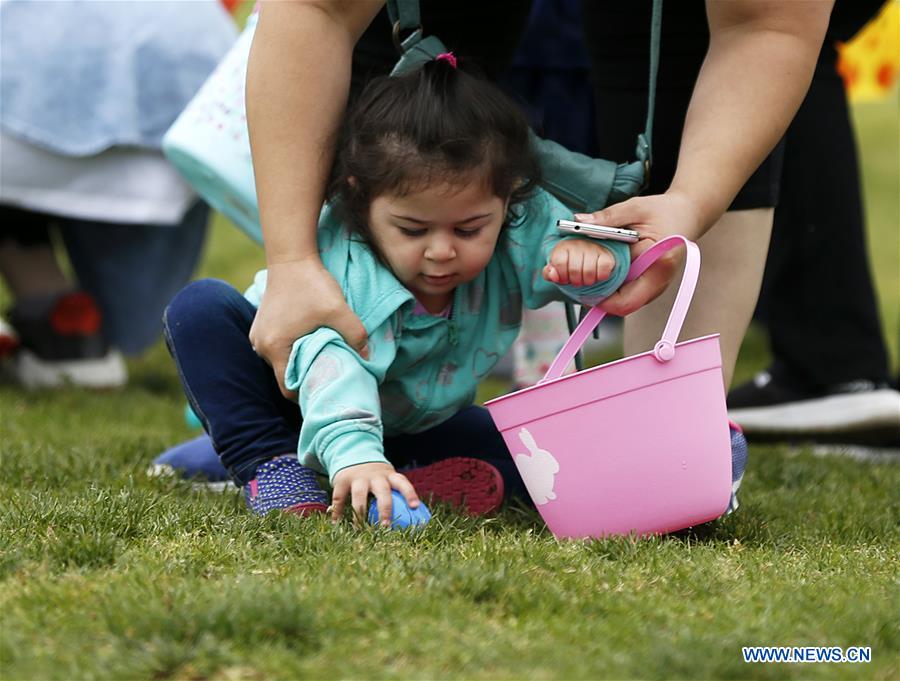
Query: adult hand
[(300, 297), (654, 218), (365, 478)]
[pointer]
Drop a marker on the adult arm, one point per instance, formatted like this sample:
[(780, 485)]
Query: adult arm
[(298, 78), (756, 72)]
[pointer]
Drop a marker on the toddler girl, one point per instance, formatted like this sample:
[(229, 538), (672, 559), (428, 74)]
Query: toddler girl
[(437, 234)]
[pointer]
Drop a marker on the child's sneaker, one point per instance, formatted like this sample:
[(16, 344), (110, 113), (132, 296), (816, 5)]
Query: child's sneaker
[(738, 463), (194, 460), (473, 485), (61, 341), (287, 485)]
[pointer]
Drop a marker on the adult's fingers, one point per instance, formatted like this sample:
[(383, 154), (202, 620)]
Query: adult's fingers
[(280, 320), (279, 366), (272, 352), (626, 213), (635, 294), (346, 323)]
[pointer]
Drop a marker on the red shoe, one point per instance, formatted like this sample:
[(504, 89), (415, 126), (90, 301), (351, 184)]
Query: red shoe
[(9, 340), (64, 345), (472, 485)]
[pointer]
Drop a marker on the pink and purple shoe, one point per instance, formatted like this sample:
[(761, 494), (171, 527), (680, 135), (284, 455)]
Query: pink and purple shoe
[(284, 484)]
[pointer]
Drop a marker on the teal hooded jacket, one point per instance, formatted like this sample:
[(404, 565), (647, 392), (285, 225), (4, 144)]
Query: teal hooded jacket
[(422, 369)]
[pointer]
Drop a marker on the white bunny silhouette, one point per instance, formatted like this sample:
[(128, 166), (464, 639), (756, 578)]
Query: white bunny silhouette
[(537, 470)]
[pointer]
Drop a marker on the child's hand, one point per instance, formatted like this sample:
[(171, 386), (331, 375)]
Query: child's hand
[(579, 262), (378, 478)]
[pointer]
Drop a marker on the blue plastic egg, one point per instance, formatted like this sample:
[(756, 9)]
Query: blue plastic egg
[(402, 516)]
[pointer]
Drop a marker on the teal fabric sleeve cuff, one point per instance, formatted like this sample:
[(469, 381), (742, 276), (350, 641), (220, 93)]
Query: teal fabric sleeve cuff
[(351, 449)]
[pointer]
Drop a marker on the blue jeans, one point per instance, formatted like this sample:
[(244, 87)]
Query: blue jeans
[(134, 270), (131, 270), (235, 395)]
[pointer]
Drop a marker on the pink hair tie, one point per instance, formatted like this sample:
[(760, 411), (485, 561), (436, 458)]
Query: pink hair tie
[(447, 57)]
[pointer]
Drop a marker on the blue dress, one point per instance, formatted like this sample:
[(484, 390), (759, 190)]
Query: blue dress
[(81, 76)]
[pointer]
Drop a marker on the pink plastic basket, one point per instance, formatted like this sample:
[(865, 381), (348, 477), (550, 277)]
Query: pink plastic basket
[(640, 445)]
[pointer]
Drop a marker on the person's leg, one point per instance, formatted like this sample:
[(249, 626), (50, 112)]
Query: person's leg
[(59, 331), (251, 426), (829, 376), (230, 388), (28, 262), (734, 250), (195, 460), (733, 254), (818, 250), (133, 271)]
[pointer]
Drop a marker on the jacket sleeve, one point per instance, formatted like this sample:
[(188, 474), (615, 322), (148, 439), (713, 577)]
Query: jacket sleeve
[(339, 400), (529, 244)]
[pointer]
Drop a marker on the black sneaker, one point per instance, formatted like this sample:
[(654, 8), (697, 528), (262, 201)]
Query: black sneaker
[(858, 411), (64, 344)]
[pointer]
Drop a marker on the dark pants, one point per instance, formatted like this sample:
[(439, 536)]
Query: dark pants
[(131, 270), (817, 297), (817, 300), (235, 395)]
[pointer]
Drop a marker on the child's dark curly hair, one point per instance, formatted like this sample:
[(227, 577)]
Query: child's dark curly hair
[(439, 123)]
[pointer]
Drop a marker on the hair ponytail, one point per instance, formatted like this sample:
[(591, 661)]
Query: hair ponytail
[(440, 76), (441, 123)]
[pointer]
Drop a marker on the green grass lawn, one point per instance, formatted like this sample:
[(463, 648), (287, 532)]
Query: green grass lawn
[(106, 574)]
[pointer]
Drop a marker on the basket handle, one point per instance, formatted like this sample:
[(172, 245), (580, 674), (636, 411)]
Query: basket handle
[(664, 350)]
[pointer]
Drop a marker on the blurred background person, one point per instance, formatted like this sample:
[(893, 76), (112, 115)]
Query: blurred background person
[(87, 90), (829, 378)]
